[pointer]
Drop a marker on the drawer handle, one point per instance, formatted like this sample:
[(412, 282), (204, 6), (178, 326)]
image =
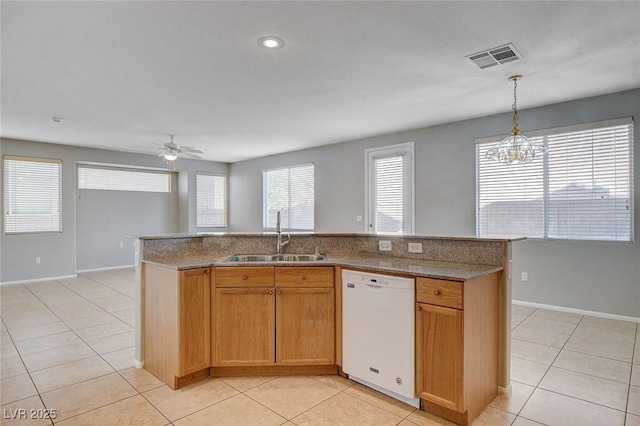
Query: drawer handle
[(436, 292), (304, 277), (244, 277), (279, 291)]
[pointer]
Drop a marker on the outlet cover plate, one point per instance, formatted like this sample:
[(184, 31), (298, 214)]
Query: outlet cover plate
[(384, 245), (415, 247)]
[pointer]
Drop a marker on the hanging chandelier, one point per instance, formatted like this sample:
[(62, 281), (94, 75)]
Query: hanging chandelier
[(515, 147)]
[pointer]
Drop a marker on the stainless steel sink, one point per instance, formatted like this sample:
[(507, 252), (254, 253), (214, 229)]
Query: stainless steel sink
[(302, 257), (248, 258), (253, 258)]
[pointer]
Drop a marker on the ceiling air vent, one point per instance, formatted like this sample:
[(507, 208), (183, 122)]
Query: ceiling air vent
[(497, 56)]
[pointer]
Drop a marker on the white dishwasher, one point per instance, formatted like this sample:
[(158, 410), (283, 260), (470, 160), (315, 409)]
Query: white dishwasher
[(378, 333)]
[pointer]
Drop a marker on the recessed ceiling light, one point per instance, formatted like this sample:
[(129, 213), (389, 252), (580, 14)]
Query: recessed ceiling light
[(270, 42)]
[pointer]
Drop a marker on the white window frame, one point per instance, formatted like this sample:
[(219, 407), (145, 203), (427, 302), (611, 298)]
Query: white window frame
[(266, 222), (54, 226), (225, 200), (112, 185), (547, 135), (384, 151)]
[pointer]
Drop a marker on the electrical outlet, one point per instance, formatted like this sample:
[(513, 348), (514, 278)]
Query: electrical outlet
[(384, 245), (525, 276), (37, 260), (415, 247), (121, 245)]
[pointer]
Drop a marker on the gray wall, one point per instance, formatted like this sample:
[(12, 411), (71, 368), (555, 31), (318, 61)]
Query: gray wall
[(107, 221), (58, 250), (599, 277)]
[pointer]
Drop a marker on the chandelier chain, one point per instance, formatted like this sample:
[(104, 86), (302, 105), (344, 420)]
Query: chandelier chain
[(514, 107)]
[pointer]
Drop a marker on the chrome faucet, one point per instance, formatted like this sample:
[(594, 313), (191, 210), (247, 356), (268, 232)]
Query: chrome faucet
[(281, 243)]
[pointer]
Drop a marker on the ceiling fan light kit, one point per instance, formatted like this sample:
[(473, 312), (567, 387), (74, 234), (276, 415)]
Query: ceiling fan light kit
[(172, 151)]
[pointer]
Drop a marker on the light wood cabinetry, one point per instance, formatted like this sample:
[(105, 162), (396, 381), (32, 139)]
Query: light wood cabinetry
[(305, 326), (457, 346), (273, 316), (244, 330), (177, 321)]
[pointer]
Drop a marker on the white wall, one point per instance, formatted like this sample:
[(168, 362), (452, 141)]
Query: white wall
[(58, 250), (598, 277)]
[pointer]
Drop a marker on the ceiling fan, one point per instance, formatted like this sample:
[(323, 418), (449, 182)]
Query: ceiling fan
[(172, 151)]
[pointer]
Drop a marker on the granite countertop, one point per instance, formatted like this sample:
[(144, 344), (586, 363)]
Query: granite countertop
[(375, 263)]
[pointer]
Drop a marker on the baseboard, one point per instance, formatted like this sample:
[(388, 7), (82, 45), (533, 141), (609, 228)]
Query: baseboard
[(577, 311), (138, 363), (35, 280), (108, 268), (504, 391)]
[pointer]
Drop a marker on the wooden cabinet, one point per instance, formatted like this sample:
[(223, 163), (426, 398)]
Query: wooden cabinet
[(305, 326), (274, 316), (439, 340), (244, 326), (457, 346), (177, 322)]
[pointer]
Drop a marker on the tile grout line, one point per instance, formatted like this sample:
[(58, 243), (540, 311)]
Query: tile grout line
[(571, 396), (74, 332), (635, 348)]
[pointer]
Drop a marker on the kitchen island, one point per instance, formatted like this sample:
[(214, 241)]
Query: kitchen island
[(190, 280)]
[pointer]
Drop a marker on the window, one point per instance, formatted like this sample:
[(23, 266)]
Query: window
[(122, 179), (582, 189), (290, 191), (211, 200), (390, 199), (32, 195)]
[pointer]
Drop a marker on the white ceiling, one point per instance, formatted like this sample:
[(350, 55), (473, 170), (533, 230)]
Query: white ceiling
[(129, 73)]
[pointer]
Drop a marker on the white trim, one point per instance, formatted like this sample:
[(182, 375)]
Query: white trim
[(504, 391), (138, 363), (108, 268), (35, 280), (577, 311), (404, 147)]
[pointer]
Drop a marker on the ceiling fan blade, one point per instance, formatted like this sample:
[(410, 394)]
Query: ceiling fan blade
[(147, 147), (171, 145), (187, 154), (192, 150)]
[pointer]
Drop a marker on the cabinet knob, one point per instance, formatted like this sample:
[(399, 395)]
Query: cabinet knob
[(304, 277), (279, 291), (270, 291), (436, 292), (244, 277), (206, 271), (418, 308)]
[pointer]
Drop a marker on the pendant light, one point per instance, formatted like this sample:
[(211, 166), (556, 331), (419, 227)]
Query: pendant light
[(515, 147)]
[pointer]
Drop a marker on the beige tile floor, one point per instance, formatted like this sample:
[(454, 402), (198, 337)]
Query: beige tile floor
[(68, 345)]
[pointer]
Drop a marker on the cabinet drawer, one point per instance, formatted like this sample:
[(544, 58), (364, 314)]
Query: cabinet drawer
[(439, 292), (313, 276), (231, 276)]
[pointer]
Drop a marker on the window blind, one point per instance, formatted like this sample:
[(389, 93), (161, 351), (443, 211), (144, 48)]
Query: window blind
[(211, 200), (581, 189), (116, 179), (291, 191), (32, 195), (390, 189)]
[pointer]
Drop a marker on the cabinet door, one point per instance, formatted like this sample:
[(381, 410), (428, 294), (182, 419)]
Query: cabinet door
[(439, 350), (195, 321), (245, 329), (305, 326)]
